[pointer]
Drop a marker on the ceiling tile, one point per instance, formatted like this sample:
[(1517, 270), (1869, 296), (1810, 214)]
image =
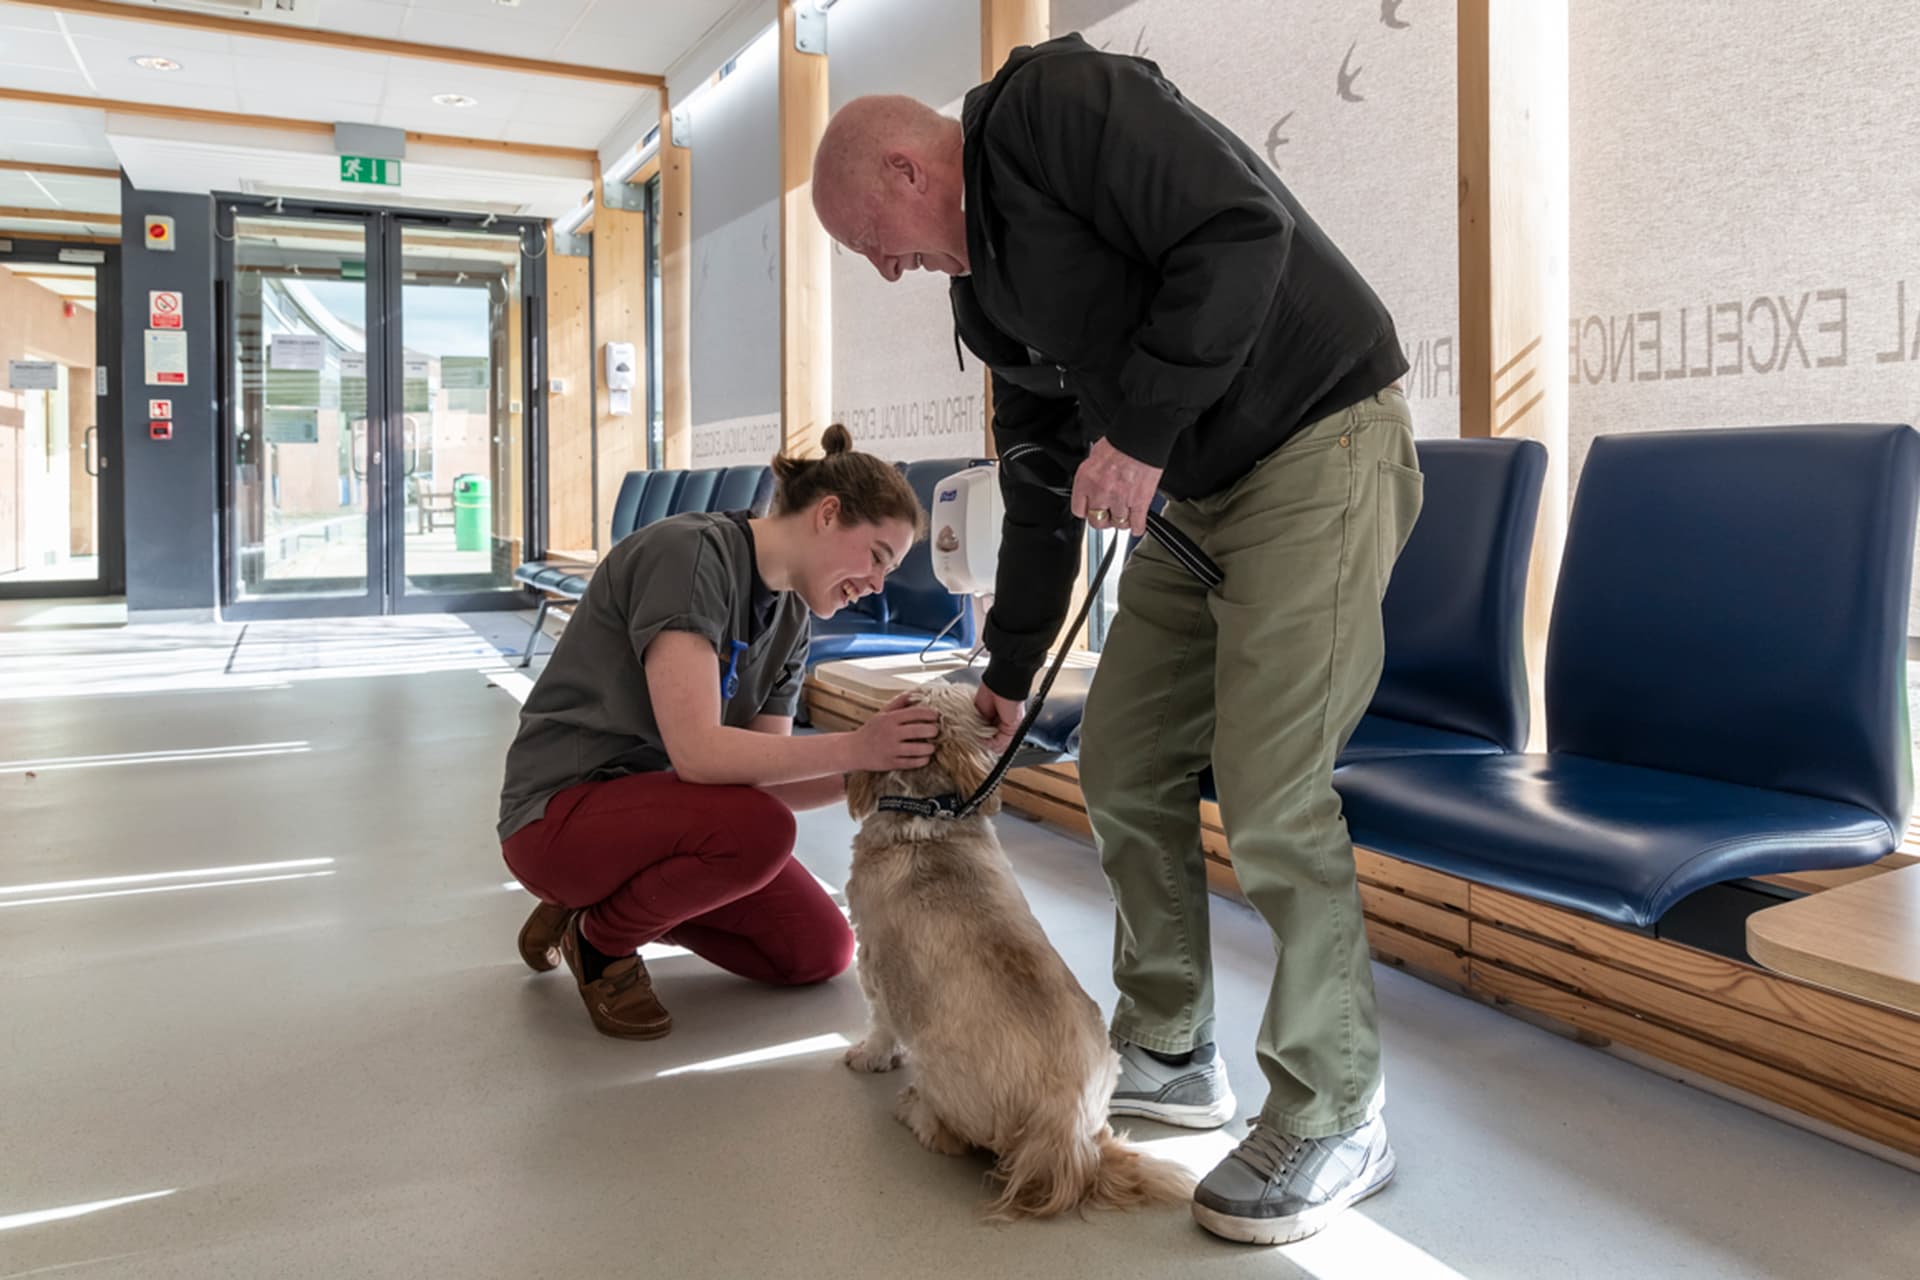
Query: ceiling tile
[(167, 40), (34, 49), (256, 77), (18, 17), (364, 17), (47, 80), (81, 193)]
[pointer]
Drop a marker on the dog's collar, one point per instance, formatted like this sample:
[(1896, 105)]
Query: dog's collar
[(947, 806)]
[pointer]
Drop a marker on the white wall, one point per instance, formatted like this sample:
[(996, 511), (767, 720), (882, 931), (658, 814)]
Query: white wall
[(1378, 175), (1746, 171), (735, 211), (896, 382)]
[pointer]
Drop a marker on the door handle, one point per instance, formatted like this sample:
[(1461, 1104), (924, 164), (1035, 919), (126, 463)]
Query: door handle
[(88, 457)]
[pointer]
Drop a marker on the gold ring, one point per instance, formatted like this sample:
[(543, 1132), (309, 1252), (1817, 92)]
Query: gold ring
[(1100, 513)]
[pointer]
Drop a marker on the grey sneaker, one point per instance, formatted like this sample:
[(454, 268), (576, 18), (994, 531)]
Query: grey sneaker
[(1275, 1189), (1194, 1095)]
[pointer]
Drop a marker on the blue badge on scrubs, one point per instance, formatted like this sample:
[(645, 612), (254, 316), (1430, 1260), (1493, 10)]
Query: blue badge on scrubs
[(730, 682)]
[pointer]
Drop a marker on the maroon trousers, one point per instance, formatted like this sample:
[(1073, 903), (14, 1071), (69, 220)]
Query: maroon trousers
[(649, 858)]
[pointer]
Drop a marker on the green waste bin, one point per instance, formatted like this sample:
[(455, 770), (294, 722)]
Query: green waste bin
[(471, 511)]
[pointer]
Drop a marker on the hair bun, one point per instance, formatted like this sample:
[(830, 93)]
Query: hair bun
[(836, 440)]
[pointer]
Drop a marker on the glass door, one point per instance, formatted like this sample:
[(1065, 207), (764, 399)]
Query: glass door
[(60, 514), (302, 458), (460, 483), (379, 421)]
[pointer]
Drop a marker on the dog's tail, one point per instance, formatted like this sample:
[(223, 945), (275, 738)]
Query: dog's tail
[(1054, 1167)]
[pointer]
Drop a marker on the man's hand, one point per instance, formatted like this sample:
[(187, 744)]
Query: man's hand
[(1003, 715), (1113, 491)]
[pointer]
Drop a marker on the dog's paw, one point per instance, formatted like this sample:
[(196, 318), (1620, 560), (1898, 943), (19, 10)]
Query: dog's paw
[(863, 1058)]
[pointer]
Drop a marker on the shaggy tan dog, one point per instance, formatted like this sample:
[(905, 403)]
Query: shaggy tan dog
[(1010, 1054)]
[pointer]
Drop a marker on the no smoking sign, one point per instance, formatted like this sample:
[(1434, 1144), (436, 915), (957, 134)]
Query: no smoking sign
[(164, 309)]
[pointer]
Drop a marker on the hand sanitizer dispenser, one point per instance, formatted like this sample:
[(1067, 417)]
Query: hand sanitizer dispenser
[(621, 366)]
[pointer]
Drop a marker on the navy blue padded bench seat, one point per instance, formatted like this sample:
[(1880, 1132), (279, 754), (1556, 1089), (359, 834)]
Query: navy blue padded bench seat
[(1455, 679), (1726, 682), (644, 497)]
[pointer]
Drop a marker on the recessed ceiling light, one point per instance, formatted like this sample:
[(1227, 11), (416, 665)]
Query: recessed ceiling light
[(455, 100), (154, 62)]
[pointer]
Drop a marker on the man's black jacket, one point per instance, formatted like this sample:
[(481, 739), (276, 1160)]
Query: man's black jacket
[(1138, 274)]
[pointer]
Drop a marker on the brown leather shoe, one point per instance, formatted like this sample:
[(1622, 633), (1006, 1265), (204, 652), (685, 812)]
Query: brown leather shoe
[(621, 1000), (540, 936)]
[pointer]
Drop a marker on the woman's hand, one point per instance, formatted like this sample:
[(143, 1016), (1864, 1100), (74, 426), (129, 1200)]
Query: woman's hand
[(1003, 716), (899, 737)]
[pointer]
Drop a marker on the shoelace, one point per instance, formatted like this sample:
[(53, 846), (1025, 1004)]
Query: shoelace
[(1270, 1153)]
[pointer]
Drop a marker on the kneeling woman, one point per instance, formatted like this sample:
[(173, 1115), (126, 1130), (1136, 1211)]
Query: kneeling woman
[(650, 791)]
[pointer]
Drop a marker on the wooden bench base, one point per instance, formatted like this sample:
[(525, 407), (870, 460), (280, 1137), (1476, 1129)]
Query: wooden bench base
[(1844, 1062)]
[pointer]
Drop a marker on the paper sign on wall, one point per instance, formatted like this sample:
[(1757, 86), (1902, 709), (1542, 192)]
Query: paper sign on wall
[(304, 351), (165, 310), (166, 358), (353, 366), (33, 375)]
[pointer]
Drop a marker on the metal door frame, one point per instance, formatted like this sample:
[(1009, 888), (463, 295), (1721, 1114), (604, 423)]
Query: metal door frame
[(386, 373), (110, 522)]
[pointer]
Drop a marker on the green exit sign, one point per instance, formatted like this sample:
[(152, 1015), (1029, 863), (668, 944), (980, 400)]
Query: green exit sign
[(366, 169)]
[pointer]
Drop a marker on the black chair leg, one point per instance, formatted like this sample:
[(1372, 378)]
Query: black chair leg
[(539, 618)]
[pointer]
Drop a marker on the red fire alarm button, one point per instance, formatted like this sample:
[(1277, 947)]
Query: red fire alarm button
[(160, 430)]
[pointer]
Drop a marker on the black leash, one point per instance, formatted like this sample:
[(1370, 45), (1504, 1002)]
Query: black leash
[(952, 807)]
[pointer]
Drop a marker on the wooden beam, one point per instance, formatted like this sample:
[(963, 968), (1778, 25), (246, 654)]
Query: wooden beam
[(58, 236), (22, 214), (619, 315), (1514, 239), (49, 170), (676, 296), (806, 254), (349, 42), (241, 120)]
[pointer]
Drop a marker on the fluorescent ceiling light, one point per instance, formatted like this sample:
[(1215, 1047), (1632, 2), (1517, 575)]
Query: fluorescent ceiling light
[(455, 100), (154, 62)]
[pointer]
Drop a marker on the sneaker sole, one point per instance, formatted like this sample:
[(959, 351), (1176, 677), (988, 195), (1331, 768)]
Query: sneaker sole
[(1300, 1225), (1186, 1115)]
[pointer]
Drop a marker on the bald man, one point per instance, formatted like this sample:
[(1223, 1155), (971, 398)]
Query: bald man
[(1162, 317)]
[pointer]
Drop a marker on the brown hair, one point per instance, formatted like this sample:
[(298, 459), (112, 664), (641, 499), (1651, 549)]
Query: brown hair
[(869, 489)]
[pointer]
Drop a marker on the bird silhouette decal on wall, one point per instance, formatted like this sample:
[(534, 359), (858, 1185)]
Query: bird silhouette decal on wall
[(1277, 140), (1390, 15), (1347, 77)]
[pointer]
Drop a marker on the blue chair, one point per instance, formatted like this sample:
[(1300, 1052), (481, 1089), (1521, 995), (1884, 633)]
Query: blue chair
[(1455, 677), (744, 489), (913, 609), (697, 493), (1726, 682)]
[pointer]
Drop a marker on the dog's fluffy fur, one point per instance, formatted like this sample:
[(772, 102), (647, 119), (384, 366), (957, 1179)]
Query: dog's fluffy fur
[(1010, 1054)]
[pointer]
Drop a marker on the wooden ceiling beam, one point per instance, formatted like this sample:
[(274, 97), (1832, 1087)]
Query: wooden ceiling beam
[(349, 42), (20, 214), (48, 170)]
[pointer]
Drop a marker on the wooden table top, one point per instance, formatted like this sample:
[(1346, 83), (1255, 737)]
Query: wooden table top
[(879, 679), (1862, 939)]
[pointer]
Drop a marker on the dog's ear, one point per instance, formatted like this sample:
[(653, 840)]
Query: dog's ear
[(863, 795), (960, 753)]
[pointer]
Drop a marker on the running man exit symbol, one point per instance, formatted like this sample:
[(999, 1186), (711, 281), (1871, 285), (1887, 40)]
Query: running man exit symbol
[(370, 171)]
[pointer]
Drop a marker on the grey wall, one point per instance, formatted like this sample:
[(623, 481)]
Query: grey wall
[(896, 383), (1744, 247), (735, 319), (171, 495)]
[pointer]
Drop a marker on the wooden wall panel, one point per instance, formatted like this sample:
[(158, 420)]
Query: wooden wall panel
[(619, 315), (806, 261), (676, 296), (570, 495)]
